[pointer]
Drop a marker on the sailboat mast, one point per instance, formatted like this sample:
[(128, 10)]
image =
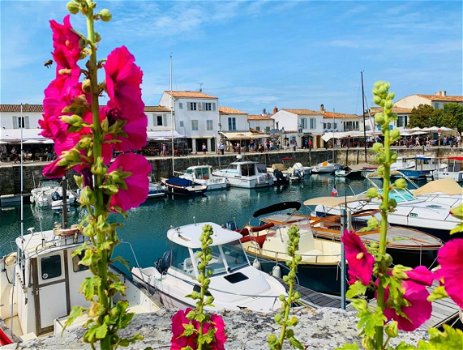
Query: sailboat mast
[(172, 117), (363, 116), (22, 171)]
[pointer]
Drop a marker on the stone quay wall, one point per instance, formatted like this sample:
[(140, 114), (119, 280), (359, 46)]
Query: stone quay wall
[(10, 173)]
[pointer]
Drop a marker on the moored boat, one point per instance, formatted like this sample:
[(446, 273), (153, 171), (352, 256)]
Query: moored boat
[(179, 186), (319, 267), (245, 174), (202, 174), (234, 283)]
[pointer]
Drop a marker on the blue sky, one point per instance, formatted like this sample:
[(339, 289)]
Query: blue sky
[(254, 54)]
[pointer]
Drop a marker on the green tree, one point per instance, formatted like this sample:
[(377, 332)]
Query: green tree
[(421, 116), (453, 116)]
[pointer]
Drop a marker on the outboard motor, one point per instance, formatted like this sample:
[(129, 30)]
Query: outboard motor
[(163, 263), (56, 196)]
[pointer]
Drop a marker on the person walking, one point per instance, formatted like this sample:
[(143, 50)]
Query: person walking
[(204, 148)]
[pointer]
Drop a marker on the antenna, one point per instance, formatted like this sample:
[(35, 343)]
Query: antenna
[(172, 116), (200, 87)]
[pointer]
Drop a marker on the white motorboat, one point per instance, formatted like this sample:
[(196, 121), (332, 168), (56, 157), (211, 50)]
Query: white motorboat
[(426, 209), (325, 168), (39, 283), (156, 190), (234, 283), (424, 167), (453, 171), (202, 174), (245, 174), (319, 267), (49, 193)]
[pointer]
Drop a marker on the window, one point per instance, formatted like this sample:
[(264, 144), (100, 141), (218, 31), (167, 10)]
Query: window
[(402, 120), (50, 267), (304, 123), (210, 125), (267, 129), (21, 122), (194, 125), (181, 123), (329, 126), (159, 120), (231, 124), (180, 105), (313, 123), (207, 106), (324, 125), (192, 106), (258, 128), (335, 126)]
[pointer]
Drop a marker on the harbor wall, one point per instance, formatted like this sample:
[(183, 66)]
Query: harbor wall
[(10, 173)]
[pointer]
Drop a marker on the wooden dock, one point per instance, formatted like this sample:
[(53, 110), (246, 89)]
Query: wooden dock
[(315, 299)]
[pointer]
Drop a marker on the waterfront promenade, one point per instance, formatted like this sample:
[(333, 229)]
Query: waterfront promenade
[(10, 172)]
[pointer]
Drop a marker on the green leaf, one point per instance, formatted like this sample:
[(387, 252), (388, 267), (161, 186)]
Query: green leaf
[(89, 286), (437, 293), (76, 311), (355, 290), (457, 212), (101, 331), (348, 347), (456, 229)]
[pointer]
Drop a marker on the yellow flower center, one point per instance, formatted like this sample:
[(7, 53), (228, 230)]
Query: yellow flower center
[(359, 256)]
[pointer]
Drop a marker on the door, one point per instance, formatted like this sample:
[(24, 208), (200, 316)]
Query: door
[(51, 290)]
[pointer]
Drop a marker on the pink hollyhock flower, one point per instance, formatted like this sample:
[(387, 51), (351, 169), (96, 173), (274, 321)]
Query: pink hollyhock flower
[(137, 182), (66, 44), (123, 80), (179, 341), (451, 271), (419, 308), (59, 94), (360, 261)]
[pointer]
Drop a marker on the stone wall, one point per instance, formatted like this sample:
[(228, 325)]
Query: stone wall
[(322, 329), (10, 173)]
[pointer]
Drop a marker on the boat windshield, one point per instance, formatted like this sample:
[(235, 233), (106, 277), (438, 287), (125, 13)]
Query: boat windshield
[(261, 168), (401, 195), (226, 258)]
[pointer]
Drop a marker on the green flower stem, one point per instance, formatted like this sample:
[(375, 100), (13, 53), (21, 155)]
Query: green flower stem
[(99, 209)]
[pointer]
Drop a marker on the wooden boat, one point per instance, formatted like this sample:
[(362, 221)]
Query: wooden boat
[(183, 187), (319, 268), (235, 284), (407, 246)]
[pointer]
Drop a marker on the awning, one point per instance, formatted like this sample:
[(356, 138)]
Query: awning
[(245, 135), (28, 136), (347, 134), (446, 186), (163, 135), (334, 201)]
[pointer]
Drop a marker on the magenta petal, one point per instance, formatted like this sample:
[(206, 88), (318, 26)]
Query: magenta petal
[(360, 261), (421, 275), (451, 261), (137, 182)]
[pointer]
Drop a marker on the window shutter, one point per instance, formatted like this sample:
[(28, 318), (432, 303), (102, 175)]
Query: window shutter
[(26, 124), (15, 123)]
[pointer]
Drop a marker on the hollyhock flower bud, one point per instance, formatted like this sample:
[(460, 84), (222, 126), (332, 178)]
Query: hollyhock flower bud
[(105, 15), (73, 7)]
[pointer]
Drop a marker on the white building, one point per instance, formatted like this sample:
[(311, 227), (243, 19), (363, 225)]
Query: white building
[(436, 101), (261, 122), (300, 125), (12, 117), (232, 120), (196, 116)]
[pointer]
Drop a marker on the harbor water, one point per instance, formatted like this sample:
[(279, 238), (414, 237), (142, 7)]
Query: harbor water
[(145, 227)]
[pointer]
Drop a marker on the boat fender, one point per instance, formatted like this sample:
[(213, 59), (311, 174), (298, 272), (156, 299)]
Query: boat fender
[(256, 264), (10, 259), (276, 271)]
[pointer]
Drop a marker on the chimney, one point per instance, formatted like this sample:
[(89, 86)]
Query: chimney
[(322, 108), (264, 112), (275, 109)]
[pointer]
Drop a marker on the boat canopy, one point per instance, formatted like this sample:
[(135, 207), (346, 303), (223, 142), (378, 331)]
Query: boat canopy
[(189, 235), (277, 207), (445, 186), (334, 201)]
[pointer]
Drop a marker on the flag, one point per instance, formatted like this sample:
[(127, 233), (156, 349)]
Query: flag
[(334, 191)]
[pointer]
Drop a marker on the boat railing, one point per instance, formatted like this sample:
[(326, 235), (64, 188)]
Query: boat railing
[(278, 255)]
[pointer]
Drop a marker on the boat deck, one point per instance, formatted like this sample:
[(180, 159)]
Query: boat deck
[(315, 299)]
